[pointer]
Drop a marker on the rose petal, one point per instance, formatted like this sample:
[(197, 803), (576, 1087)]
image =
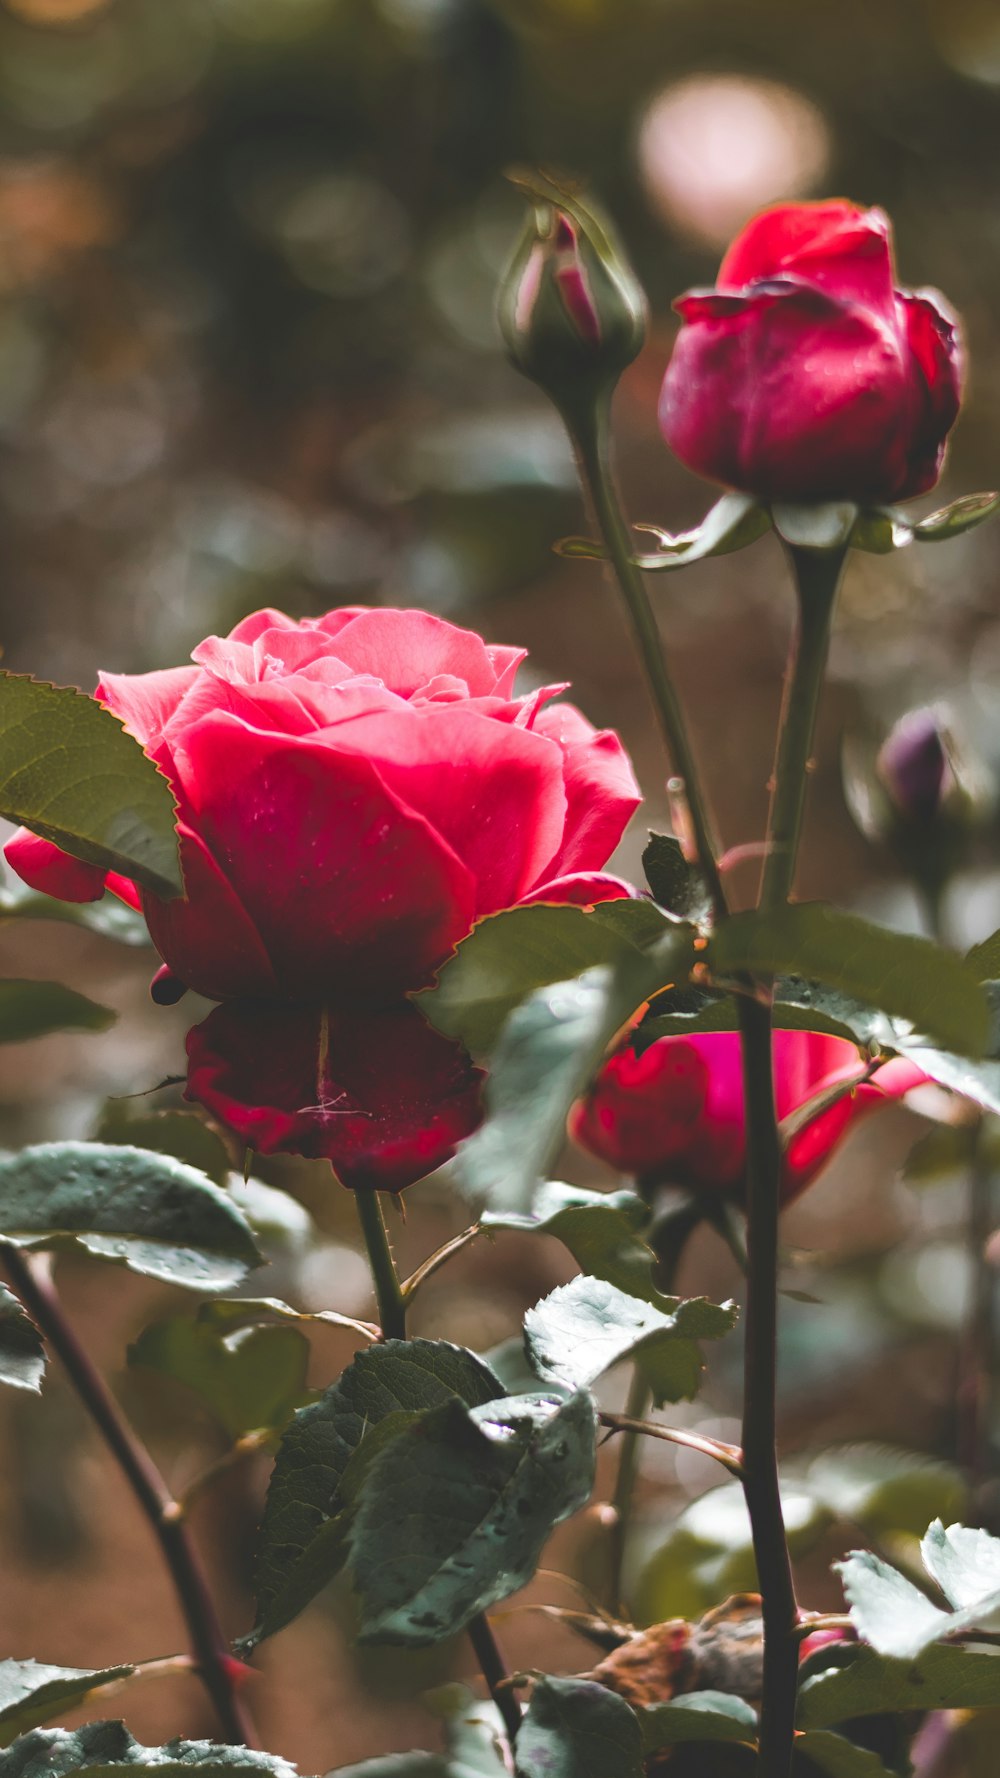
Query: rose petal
[(380, 1095), (407, 649), (51, 871), (937, 359), (207, 938), (601, 792), (346, 886), (835, 246), (582, 889), (145, 702)]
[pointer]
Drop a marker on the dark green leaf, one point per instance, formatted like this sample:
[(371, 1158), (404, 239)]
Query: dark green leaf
[(71, 773), (33, 1009), (103, 1748), (676, 884), (984, 958), (252, 1380), (179, 1133), (109, 916), (884, 1490), (698, 1716), (601, 1229), (456, 1512), (961, 515), (22, 1358), (506, 957), (549, 1051), (840, 1758), (826, 525), (908, 978), (574, 1728), (576, 1334), (31, 1692), (302, 1534), (144, 1210), (860, 1682)]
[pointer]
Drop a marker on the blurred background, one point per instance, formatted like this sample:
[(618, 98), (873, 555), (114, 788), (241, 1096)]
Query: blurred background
[(248, 256)]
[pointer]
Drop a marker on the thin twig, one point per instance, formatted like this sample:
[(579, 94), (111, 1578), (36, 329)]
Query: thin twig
[(429, 1266), (730, 1456)]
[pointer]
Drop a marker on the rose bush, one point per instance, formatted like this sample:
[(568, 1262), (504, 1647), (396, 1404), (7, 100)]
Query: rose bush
[(806, 374), (675, 1114), (354, 791)]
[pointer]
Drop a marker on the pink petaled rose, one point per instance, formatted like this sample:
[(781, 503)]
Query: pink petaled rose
[(675, 1114), (806, 374), (354, 791)]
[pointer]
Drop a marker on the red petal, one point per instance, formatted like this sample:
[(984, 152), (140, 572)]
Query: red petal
[(835, 246), (208, 939), (937, 361), (582, 889), (380, 1095), (346, 886), (51, 871), (601, 791)]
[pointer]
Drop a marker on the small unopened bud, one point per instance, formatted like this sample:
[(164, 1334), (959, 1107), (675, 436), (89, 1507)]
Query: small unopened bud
[(571, 312), (914, 766)]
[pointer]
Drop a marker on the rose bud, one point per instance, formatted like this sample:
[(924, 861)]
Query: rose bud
[(353, 792), (806, 374), (571, 312), (922, 796), (675, 1115)]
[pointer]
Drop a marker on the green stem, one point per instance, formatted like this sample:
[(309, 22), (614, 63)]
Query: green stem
[(817, 577), (388, 1290), (637, 1406), (590, 436), (213, 1662), (392, 1314), (974, 1364)]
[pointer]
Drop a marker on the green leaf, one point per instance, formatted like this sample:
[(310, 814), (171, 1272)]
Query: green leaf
[(71, 773), (252, 1380), (732, 523), (456, 1512), (302, 1533), (888, 1610), (146, 1211), (707, 1554), (33, 1009), (585, 1327), (860, 1682), (109, 916), (826, 525), (31, 1692), (951, 521), (908, 978), (698, 1716), (101, 1748), (179, 1133), (575, 1728), (881, 529), (600, 1229), (242, 1311), (22, 1356), (507, 956), (984, 958), (676, 884), (884, 1490), (548, 1053), (840, 1758)]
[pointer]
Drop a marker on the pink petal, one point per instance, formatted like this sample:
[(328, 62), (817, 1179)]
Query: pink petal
[(51, 871), (835, 246), (407, 649), (380, 1094), (208, 939), (145, 702), (344, 883), (601, 791), (581, 889)]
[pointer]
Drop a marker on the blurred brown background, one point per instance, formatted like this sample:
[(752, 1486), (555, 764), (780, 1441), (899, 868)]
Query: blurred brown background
[(248, 253)]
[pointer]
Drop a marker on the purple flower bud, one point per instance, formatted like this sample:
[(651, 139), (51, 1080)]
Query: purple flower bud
[(914, 766)]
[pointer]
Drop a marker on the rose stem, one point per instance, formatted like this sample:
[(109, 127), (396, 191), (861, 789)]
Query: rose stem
[(590, 436), (817, 576), (214, 1664), (392, 1314)]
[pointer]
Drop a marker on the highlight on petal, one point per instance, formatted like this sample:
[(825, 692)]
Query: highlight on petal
[(145, 702), (379, 1094), (407, 649)]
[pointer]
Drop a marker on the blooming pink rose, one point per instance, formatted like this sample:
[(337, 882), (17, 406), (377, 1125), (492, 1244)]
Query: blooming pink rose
[(806, 374), (353, 792), (675, 1114)]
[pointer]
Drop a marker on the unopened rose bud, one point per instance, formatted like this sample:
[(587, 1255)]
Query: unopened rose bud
[(922, 795), (571, 312), (914, 766)]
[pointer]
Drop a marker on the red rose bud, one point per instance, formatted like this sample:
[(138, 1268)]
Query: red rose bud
[(675, 1115), (806, 374), (353, 792), (571, 313)]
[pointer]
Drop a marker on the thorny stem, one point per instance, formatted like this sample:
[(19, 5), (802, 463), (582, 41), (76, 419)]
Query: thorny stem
[(215, 1666), (817, 577), (637, 1406), (590, 436), (392, 1314)]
